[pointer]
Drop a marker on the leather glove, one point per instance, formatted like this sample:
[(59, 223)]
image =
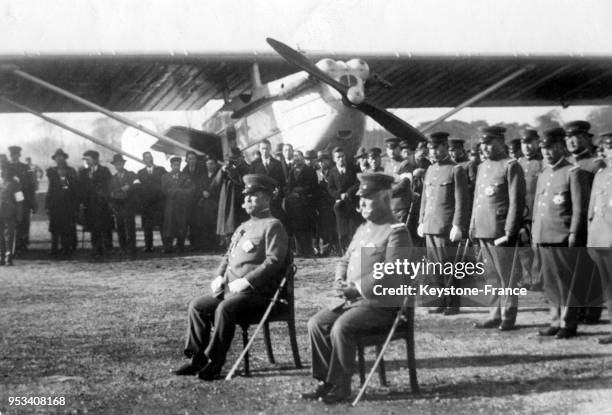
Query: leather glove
[(239, 285), (455, 234)]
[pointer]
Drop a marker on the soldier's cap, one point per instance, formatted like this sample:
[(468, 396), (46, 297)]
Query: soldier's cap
[(440, 137), (552, 136), (392, 142), (235, 153), (310, 155), (606, 139), (456, 143), (406, 144), (175, 159), (117, 158), (323, 155), (515, 144), (59, 152), (422, 145), (529, 135), (370, 183), (490, 133), (577, 127), (374, 152), (361, 153), (92, 153), (14, 149), (258, 182), (279, 148)]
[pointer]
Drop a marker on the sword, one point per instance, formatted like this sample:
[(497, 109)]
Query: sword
[(259, 326)]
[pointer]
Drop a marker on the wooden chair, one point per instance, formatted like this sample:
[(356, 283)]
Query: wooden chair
[(404, 331), (283, 311)]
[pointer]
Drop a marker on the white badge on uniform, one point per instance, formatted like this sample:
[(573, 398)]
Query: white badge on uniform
[(247, 246), (19, 196), (558, 199)]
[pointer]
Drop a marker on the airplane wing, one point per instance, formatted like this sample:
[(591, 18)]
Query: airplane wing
[(170, 83)]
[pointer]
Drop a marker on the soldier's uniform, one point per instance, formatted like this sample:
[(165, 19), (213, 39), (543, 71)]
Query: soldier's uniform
[(497, 212), (332, 330), (11, 200), (444, 204), (27, 181), (599, 240), (532, 166), (587, 161), (421, 165), (257, 254), (401, 192), (560, 210), (124, 207)]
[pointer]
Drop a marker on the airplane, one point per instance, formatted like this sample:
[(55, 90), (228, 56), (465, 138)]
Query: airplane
[(321, 106)]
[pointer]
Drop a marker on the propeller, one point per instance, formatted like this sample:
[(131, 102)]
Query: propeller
[(386, 119)]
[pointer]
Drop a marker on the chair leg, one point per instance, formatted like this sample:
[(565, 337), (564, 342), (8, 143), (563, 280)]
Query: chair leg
[(361, 363), (382, 373), (414, 383), (294, 344), (268, 342), (245, 341)]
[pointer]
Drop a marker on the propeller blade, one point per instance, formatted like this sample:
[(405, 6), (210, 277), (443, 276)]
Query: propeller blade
[(386, 119), (296, 58), (391, 122)]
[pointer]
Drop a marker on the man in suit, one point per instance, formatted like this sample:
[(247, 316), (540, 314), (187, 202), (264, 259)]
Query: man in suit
[(27, 181), (62, 204), (208, 204), (248, 276), (123, 205), (559, 222), (342, 186), (94, 181), (333, 330), (579, 143), (599, 240), (326, 223), (443, 220), (299, 203), (178, 192), (151, 198), (272, 168), (497, 217), (196, 171)]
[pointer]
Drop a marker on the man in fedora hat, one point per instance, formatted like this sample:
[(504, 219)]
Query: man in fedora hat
[(151, 198), (123, 203), (62, 204), (333, 330), (94, 182), (247, 277), (27, 182)]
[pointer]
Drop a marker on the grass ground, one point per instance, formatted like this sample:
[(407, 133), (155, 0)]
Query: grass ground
[(105, 335)]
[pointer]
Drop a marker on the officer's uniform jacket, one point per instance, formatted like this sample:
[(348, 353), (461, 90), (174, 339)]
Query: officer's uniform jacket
[(445, 198), (384, 241), (560, 203), (11, 198), (499, 199), (587, 161), (532, 167), (600, 210), (257, 252), (401, 193), (27, 181)]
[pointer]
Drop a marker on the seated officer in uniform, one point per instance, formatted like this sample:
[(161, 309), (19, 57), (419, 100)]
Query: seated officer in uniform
[(248, 276), (333, 330)]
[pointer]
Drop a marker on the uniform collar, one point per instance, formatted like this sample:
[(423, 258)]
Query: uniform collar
[(583, 155), (561, 163), (262, 214)]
